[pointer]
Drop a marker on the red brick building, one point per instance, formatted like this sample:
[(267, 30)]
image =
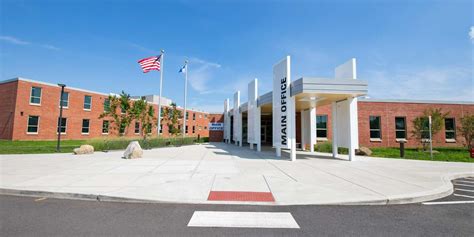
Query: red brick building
[(384, 115), (30, 111)]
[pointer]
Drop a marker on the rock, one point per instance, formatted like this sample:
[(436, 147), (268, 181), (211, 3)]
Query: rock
[(363, 151), (133, 151), (84, 149)]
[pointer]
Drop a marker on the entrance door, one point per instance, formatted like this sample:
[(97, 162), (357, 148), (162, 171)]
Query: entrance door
[(263, 134)]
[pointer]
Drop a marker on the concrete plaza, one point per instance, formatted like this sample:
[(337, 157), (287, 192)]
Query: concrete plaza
[(188, 174)]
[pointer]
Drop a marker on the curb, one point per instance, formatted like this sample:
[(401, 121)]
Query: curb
[(72, 196), (445, 190)]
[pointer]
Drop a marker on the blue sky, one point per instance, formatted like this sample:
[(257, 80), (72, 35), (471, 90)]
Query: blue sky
[(405, 49)]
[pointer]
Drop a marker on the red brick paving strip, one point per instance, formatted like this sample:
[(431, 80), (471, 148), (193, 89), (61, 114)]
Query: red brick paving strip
[(241, 196)]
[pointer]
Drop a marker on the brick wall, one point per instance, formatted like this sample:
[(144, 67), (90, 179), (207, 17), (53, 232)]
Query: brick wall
[(7, 109), (48, 111), (388, 111)]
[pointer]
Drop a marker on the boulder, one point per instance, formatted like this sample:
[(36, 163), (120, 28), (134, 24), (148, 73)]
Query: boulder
[(133, 151), (363, 151), (84, 149)]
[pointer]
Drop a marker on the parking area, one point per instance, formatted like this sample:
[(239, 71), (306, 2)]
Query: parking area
[(463, 193)]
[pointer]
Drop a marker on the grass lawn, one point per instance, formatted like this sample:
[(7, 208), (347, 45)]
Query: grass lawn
[(442, 154), (34, 147), (67, 146), (457, 154)]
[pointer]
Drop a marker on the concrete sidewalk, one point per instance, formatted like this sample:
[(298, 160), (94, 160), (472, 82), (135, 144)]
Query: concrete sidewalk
[(188, 175)]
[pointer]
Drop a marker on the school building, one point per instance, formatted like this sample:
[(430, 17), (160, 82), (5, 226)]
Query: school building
[(30, 111), (303, 112)]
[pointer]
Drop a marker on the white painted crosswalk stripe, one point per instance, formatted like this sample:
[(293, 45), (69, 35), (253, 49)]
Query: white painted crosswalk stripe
[(243, 219), (448, 202), (466, 185), (460, 195)]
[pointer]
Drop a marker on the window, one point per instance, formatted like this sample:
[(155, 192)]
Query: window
[(122, 128), (400, 128), (322, 126), (85, 126), (62, 125), (137, 128), (35, 96), (450, 128), (375, 132), (194, 116), (33, 124), (106, 105), (65, 100), (194, 129), (161, 129), (105, 127), (87, 102), (187, 116), (186, 129), (148, 128), (205, 115), (205, 127)]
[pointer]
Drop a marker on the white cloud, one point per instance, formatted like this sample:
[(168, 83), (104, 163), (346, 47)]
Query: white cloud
[(48, 46), (13, 40), (471, 33), (201, 73), (444, 83)]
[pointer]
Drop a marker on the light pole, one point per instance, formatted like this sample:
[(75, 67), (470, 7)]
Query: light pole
[(58, 146)]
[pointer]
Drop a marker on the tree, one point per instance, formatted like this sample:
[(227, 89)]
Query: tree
[(144, 113), (421, 125), (118, 108), (467, 129), (171, 115)]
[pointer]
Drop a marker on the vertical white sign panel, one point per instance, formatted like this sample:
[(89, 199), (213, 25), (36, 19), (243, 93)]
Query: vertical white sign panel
[(226, 120), (252, 112), (283, 105), (237, 121)]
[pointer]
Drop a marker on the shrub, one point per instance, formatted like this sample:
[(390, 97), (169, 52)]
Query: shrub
[(122, 143)]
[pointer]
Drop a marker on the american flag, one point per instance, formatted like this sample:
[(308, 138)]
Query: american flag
[(150, 63)]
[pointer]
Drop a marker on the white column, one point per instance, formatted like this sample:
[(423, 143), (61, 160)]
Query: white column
[(292, 125), (312, 127), (258, 129), (353, 128), (304, 129), (334, 129), (278, 151), (240, 129)]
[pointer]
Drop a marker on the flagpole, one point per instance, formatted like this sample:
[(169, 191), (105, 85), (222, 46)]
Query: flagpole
[(161, 86), (185, 96)]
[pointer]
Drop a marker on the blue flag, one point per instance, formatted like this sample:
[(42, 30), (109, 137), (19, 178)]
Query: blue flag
[(183, 69)]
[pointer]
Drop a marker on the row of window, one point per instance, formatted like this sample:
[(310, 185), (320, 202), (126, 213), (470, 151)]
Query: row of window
[(34, 121), (375, 128), (33, 126), (401, 128), (35, 99)]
